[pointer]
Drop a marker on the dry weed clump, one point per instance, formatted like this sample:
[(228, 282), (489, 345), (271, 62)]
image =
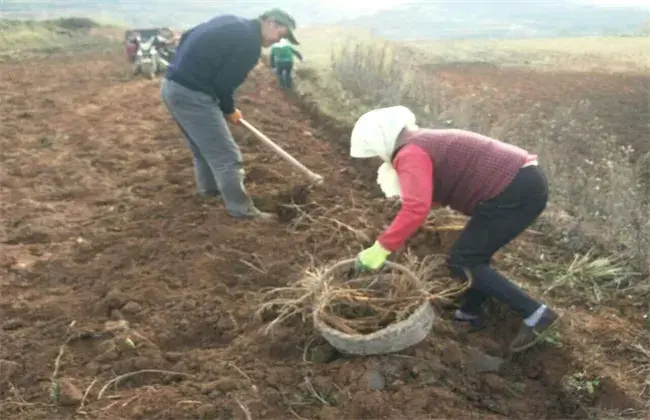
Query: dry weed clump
[(385, 75), (361, 303), (596, 279)]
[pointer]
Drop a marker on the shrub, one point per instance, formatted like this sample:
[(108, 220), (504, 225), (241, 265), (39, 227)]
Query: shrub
[(76, 23), (384, 75)]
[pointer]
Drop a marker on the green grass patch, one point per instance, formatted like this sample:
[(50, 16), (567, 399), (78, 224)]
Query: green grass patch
[(46, 36)]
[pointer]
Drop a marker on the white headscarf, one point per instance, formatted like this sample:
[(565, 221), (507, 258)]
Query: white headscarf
[(375, 134)]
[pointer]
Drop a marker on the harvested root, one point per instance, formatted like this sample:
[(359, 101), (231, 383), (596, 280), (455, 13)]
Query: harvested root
[(294, 300)]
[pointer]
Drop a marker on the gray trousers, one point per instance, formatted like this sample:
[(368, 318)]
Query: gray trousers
[(217, 159)]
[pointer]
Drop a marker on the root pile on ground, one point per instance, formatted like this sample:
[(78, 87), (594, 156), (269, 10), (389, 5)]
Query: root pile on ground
[(361, 303)]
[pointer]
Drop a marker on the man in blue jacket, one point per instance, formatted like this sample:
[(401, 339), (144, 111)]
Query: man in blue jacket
[(212, 60)]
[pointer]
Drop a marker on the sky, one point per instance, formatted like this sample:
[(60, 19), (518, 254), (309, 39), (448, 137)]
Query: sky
[(645, 4), (369, 6)]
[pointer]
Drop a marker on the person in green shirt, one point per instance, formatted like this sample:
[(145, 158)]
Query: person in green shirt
[(282, 54)]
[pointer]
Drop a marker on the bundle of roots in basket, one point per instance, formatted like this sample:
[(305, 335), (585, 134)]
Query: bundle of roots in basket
[(369, 303), (363, 304)]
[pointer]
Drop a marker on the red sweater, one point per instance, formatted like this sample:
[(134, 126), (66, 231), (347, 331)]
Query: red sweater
[(455, 168)]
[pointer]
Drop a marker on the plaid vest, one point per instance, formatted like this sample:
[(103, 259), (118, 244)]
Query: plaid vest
[(468, 167)]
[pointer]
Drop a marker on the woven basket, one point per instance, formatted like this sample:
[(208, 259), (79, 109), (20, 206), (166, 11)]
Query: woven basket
[(394, 338)]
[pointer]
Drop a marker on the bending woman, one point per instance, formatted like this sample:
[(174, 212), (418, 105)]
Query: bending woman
[(498, 185)]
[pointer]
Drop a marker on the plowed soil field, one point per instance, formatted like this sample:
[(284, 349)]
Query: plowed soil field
[(102, 239), (620, 101)]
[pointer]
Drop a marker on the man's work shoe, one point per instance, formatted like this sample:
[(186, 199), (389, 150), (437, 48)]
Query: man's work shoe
[(529, 336), (256, 214), (209, 195), (261, 215), (471, 323)]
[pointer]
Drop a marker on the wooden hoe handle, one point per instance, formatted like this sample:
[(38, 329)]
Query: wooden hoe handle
[(314, 177)]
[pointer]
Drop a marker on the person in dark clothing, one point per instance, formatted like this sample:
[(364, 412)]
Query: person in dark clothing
[(498, 185), (281, 60), (212, 60)]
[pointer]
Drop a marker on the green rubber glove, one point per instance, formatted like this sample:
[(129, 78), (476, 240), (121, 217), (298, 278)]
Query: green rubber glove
[(372, 258)]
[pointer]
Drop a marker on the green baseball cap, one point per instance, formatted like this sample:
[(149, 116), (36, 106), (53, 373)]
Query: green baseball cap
[(283, 18)]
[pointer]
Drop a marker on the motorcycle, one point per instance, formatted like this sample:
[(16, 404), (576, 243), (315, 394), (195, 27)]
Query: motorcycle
[(146, 58), (152, 56)]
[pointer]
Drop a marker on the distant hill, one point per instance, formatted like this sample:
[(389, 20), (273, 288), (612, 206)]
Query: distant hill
[(433, 19), (499, 19), (183, 13), (20, 38)]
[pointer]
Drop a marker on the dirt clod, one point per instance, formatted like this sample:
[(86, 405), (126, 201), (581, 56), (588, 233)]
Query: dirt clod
[(481, 362), (324, 353), (376, 380), (69, 393), (13, 324), (8, 369), (452, 354), (173, 356), (131, 308), (222, 385)]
